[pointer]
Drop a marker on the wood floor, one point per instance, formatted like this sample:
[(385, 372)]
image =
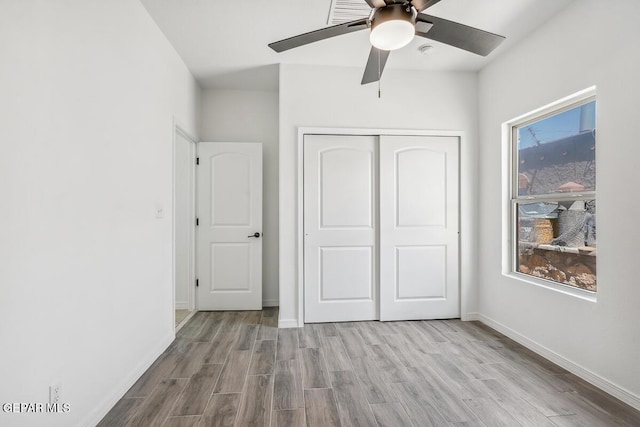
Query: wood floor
[(238, 369)]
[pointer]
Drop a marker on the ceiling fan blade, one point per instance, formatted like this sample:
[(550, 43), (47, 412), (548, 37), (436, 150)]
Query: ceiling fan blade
[(461, 36), (421, 5), (376, 3), (314, 36), (375, 65)]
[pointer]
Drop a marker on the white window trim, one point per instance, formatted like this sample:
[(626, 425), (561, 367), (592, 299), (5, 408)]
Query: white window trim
[(508, 212)]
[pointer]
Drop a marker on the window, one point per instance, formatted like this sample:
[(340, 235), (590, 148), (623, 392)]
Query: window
[(553, 194)]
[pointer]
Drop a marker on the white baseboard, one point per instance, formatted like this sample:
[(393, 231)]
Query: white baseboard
[(470, 316), (270, 303), (287, 323), (602, 383), (119, 390), (182, 305)]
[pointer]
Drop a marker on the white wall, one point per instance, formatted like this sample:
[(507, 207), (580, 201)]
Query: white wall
[(251, 116), (89, 92), (589, 43), (314, 96)]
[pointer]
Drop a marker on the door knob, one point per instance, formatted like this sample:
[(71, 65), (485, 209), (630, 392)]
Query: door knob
[(256, 235)]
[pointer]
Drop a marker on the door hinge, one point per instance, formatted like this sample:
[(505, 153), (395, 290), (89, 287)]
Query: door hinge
[(197, 283), (197, 160), (197, 222)]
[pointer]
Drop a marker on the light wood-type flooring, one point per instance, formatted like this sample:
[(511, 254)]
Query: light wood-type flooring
[(238, 369)]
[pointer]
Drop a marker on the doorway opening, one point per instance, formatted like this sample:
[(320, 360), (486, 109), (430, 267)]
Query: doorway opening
[(184, 223)]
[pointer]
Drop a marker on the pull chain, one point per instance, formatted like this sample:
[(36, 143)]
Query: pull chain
[(379, 73)]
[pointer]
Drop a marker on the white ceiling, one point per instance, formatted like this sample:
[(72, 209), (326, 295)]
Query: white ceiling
[(224, 43)]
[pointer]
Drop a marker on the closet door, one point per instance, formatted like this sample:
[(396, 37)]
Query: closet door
[(419, 227), (340, 251)]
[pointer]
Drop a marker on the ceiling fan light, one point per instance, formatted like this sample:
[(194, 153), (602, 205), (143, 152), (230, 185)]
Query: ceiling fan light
[(392, 35), (392, 27)]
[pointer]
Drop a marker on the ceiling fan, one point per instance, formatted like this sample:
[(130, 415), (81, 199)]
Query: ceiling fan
[(393, 25)]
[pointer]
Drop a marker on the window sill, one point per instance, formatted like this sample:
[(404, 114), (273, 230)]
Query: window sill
[(582, 250), (556, 287)]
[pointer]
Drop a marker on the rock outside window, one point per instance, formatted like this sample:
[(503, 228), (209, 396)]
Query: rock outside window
[(553, 195)]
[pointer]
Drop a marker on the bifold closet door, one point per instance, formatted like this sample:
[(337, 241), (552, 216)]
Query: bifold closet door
[(340, 216), (419, 227)]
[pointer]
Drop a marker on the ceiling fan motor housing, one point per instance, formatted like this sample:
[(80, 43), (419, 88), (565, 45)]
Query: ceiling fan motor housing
[(393, 26)]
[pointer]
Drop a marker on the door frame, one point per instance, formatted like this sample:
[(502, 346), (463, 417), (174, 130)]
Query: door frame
[(179, 129), (467, 203)]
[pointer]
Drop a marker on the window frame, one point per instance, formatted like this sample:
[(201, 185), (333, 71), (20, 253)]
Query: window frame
[(510, 137)]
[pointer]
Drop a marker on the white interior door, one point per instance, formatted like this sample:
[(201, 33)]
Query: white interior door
[(419, 227), (230, 226), (340, 215)]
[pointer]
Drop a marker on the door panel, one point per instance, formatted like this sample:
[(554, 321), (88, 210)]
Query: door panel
[(418, 227), (225, 276), (231, 204), (421, 272), (229, 211), (340, 188), (421, 193), (346, 196), (346, 265)]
